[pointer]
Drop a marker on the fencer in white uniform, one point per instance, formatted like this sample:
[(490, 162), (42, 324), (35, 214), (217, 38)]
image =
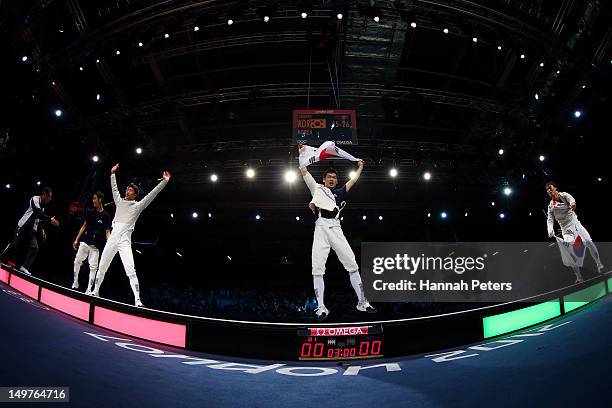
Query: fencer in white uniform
[(127, 212), (562, 208), (327, 203)]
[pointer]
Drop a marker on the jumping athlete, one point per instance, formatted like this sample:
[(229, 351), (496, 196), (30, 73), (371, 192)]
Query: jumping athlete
[(93, 234), (328, 235), (120, 240), (27, 227), (562, 208)]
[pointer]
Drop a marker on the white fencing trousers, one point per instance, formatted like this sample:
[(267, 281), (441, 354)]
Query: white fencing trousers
[(120, 240), (569, 235), (326, 237), (92, 254)]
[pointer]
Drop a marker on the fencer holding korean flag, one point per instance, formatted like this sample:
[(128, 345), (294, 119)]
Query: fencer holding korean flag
[(562, 208), (120, 240), (327, 203)]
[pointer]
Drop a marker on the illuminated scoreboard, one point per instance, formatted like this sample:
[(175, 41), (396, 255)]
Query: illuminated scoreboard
[(340, 343), (313, 127)]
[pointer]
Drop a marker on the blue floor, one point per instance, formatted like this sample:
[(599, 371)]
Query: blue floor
[(563, 363)]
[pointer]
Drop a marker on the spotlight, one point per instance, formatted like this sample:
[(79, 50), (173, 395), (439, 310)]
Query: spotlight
[(7, 186), (376, 19), (24, 58), (290, 176), (339, 16), (166, 35), (230, 21), (428, 215), (214, 178), (171, 215), (501, 152), (445, 31), (393, 172), (95, 159), (492, 203), (542, 158), (209, 215), (413, 24), (352, 174), (577, 114), (179, 254), (474, 39), (140, 44), (558, 72), (465, 215), (304, 14), (58, 112), (297, 218), (507, 191), (97, 97), (97, 61), (250, 173), (530, 213), (38, 183), (266, 19), (523, 175), (138, 150), (196, 28), (427, 176), (380, 218), (583, 86), (364, 217), (598, 178), (117, 52), (541, 64), (499, 47), (258, 217), (502, 215), (522, 56), (194, 215), (443, 214), (536, 96)]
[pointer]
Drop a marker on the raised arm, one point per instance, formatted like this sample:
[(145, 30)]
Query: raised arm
[(114, 188), (308, 179), (352, 181), (144, 203)]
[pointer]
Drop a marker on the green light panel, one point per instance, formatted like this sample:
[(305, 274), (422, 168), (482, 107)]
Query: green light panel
[(518, 319), (584, 296)]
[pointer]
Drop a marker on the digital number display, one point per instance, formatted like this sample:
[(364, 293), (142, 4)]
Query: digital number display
[(340, 343), (317, 126)]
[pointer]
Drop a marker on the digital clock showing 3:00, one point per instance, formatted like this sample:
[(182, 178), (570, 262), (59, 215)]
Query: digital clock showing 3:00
[(340, 343)]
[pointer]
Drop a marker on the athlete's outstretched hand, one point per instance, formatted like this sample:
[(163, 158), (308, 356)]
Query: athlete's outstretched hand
[(300, 148), (115, 168), (167, 175)]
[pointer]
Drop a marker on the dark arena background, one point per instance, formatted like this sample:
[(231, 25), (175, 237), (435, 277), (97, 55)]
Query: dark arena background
[(461, 111)]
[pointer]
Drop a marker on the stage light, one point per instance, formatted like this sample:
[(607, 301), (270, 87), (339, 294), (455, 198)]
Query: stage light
[(250, 173), (297, 218), (179, 254), (95, 159), (502, 215), (304, 14), (38, 183), (492, 203), (475, 39), (598, 178), (209, 215), (413, 24), (80, 68), (230, 21), (445, 31), (376, 19), (194, 215), (583, 86), (140, 44), (258, 217), (530, 213), (542, 158), (117, 52), (214, 178), (558, 72), (97, 61), (364, 217), (523, 175), (290, 176), (499, 47), (341, 218), (171, 215), (196, 28), (7, 186), (427, 176), (428, 215), (24, 58), (507, 191), (443, 214), (577, 114), (58, 112), (541, 64), (536, 96), (166, 35), (352, 174), (393, 172), (138, 150), (500, 152), (97, 97), (266, 19), (380, 218), (522, 56), (339, 16), (465, 215)]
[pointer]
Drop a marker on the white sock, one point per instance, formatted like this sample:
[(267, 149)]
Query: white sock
[(319, 288), (357, 285), (135, 287)]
